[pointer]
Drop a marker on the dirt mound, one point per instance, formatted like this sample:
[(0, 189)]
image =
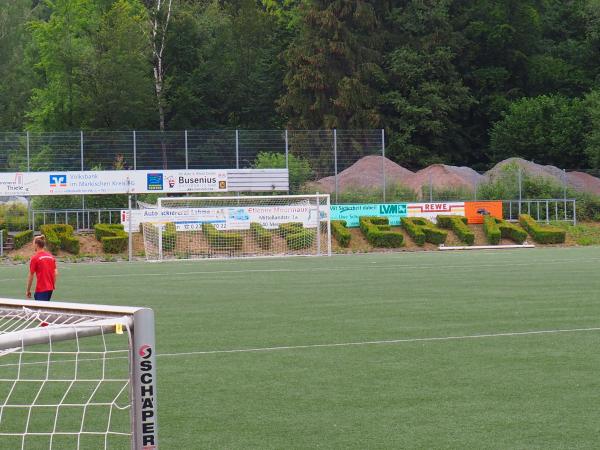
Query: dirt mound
[(529, 167), (367, 172), (584, 182), (442, 176)]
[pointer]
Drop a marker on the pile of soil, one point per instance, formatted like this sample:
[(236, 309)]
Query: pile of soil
[(367, 172), (442, 176), (531, 168), (584, 182)]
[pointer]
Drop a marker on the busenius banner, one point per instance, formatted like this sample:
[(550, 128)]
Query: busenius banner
[(112, 182)]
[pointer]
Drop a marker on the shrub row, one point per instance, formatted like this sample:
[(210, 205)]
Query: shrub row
[(169, 236), (113, 237), (22, 238), (263, 237), (458, 224), (491, 229), (542, 234), (422, 230), (59, 237), (340, 232), (302, 239), (290, 228), (377, 232), (222, 240), (496, 229)]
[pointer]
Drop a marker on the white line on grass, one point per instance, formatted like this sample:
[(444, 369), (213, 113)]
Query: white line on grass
[(332, 345), (382, 342)]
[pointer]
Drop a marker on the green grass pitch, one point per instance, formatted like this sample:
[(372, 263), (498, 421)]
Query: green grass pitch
[(478, 386)]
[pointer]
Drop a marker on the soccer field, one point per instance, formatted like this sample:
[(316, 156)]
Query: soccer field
[(495, 349)]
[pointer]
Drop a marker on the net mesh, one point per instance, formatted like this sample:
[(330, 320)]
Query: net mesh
[(64, 380), (226, 227)]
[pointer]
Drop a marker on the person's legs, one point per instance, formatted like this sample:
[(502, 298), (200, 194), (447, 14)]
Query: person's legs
[(44, 296)]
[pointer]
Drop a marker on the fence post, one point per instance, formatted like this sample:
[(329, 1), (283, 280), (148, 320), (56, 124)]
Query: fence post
[(1, 243), (186, 151), (520, 189), (237, 149), (383, 161), (565, 190), (574, 212), (318, 225), (335, 164), (134, 151), (430, 188), (287, 158), (130, 229), (27, 142)]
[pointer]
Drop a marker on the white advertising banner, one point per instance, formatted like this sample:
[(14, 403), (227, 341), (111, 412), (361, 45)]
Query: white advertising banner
[(186, 219), (112, 182), (432, 210)]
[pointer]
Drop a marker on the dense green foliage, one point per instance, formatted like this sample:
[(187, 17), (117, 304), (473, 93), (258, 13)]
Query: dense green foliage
[(465, 82), (378, 232), (22, 238), (222, 240), (542, 234), (422, 230), (13, 217), (303, 238), (495, 229), (458, 224), (340, 232), (263, 237), (113, 237), (60, 237)]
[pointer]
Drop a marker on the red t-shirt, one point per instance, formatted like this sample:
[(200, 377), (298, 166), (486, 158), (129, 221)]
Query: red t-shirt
[(44, 267)]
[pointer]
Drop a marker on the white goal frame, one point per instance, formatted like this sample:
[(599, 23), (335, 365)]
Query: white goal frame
[(98, 320), (322, 208)]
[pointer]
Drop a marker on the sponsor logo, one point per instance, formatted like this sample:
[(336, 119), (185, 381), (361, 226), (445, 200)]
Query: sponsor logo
[(16, 186), (392, 209), (146, 380), (155, 181), (58, 180), (171, 181), (222, 184)]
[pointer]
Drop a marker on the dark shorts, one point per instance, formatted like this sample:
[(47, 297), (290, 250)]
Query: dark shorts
[(45, 296)]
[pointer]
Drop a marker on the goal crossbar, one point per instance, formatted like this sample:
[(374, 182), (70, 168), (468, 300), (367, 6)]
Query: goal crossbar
[(27, 325)]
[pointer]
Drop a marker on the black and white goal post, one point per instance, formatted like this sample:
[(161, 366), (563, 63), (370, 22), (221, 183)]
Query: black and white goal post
[(77, 376)]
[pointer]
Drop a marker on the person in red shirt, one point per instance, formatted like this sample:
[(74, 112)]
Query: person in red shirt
[(43, 266)]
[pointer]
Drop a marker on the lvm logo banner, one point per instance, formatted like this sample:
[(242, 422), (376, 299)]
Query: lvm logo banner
[(351, 213)]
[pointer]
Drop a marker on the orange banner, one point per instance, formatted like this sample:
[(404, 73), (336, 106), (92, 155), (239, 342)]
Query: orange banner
[(474, 211)]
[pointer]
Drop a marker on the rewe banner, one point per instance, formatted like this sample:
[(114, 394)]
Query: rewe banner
[(112, 182)]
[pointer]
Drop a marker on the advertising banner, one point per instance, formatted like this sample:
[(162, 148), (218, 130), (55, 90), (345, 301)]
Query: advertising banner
[(186, 219), (432, 210), (475, 211), (351, 213), (112, 182)]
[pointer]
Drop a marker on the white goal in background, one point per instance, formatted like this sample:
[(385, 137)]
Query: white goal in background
[(75, 376), (226, 227)]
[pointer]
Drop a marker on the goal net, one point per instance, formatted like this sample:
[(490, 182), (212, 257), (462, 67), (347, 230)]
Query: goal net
[(225, 227), (76, 376)]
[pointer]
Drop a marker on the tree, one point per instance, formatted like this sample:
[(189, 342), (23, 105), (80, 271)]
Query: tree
[(547, 129), (334, 66), (425, 96)]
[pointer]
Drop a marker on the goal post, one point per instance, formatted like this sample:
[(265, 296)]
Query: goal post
[(237, 227), (77, 376)]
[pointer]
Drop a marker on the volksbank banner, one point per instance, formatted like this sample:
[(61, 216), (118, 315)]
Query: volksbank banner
[(112, 182), (350, 213)]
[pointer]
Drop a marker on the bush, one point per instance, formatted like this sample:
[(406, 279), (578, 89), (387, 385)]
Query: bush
[(491, 229), (23, 238), (299, 168), (113, 237), (458, 224), (60, 237), (290, 228), (220, 239), (377, 232), (340, 232), (14, 217), (169, 236), (263, 237), (302, 239), (422, 230), (512, 231), (542, 234)]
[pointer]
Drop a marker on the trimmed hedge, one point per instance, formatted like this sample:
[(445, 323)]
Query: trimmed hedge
[(300, 240), (340, 232), (221, 240), (22, 238), (491, 229), (542, 234), (290, 228), (113, 237), (377, 232), (60, 237), (263, 237), (422, 230), (458, 224)]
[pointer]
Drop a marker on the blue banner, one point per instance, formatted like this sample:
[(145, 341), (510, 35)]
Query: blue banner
[(350, 213)]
